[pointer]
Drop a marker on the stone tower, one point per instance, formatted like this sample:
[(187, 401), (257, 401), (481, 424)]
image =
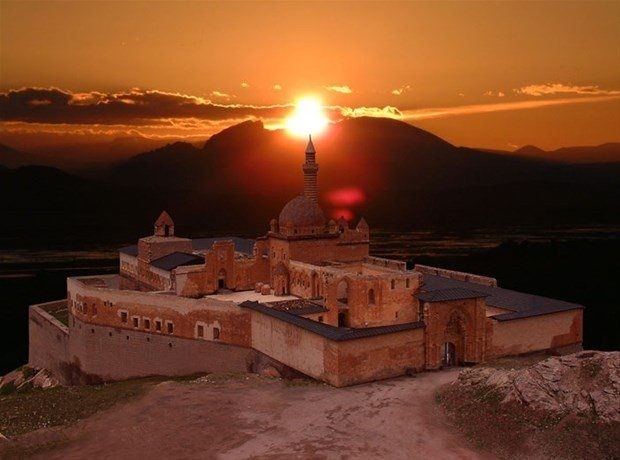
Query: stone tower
[(310, 168)]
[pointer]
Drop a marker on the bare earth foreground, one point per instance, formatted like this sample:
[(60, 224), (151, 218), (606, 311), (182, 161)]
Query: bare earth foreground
[(251, 416)]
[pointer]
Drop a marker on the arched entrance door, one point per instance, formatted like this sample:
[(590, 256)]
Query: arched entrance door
[(448, 354), (221, 279)]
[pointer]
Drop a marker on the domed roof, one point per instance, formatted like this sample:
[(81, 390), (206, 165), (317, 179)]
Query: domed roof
[(301, 212)]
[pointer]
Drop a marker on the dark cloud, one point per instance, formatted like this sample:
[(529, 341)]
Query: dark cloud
[(53, 105)]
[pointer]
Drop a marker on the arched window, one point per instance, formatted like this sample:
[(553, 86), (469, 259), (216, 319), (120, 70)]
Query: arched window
[(371, 297)]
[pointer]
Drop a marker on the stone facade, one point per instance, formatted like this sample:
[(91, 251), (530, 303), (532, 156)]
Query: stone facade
[(306, 296)]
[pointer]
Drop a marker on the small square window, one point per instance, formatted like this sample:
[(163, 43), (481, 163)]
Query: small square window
[(320, 319), (200, 330)]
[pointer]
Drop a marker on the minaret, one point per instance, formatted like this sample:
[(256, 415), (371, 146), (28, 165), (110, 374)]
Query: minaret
[(310, 168)]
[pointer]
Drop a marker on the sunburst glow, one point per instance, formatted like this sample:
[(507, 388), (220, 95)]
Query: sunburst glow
[(308, 118)]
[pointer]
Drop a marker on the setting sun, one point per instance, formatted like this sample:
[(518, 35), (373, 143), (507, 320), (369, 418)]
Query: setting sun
[(308, 118)]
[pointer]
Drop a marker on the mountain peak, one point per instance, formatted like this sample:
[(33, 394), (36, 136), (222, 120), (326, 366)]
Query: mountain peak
[(529, 150)]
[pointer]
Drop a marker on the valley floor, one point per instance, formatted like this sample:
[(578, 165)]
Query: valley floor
[(247, 416)]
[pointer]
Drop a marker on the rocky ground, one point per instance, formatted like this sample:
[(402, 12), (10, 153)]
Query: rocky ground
[(26, 378), (249, 416), (560, 407), (526, 407)]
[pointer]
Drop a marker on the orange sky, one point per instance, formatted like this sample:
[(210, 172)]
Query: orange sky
[(495, 75)]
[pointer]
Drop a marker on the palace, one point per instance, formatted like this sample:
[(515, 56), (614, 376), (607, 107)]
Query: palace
[(305, 298)]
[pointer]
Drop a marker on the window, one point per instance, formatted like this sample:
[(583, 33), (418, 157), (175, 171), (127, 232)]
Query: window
[(320, 319), (396, 315), (147, 323), (170, 328), (158, 325), (407, 282), (371, 297), (216, 333), (123, 317), (136, 321), (393, 284), (200, 330)]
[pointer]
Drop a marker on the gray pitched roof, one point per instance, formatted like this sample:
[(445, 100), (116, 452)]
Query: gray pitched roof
[(130, 250), (442, 295), (521, 305), (177, 259), (325, 330)]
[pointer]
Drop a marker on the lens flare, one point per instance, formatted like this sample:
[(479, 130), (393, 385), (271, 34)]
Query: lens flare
[(308, 118)]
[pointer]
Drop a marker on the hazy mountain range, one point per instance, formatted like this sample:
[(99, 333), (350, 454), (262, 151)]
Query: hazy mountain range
[(240, 178)]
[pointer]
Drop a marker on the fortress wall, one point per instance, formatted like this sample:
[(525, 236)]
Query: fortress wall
[(48, 338), (295, 347), (99, 353), (379, 357), (104, 306), (340, 363), (536, 333)]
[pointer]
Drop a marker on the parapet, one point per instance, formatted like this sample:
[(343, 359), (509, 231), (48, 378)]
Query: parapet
[(460, 276), (387, 263)]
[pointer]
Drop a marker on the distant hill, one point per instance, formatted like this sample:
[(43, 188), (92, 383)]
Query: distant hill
[(604, 153), (13, 158), (241, 177), (374, 154)]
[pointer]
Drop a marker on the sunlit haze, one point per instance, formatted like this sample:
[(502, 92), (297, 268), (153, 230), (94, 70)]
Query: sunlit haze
[(308, 118), (497, 75)]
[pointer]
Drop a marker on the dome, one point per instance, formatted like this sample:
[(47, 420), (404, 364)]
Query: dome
[(301, 212)]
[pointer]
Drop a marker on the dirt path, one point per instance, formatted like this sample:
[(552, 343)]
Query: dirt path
[(262, 418)]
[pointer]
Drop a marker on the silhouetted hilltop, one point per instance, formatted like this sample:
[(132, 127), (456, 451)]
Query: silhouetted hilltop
[(242, 176), (374, 154), (13, 158), (604, 153)]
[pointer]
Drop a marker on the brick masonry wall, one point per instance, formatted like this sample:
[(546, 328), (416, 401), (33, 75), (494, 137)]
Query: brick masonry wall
[(100, 353), (103, 306), (289, 344), (48, 338), (536, 333), (379, 357)]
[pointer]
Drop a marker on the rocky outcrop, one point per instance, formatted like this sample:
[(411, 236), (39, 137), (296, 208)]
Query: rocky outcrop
[(26, 378), (584, 384)]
